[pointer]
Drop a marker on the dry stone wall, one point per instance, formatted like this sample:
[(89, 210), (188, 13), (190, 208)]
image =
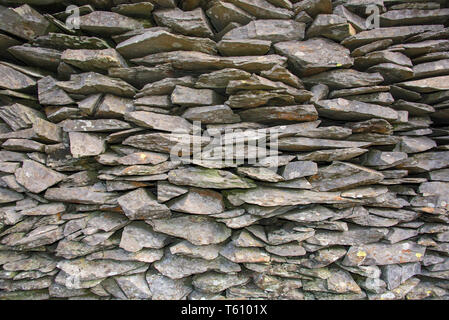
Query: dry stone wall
[(121, 175)]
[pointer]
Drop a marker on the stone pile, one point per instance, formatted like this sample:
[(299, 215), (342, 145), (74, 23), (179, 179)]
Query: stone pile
[(102, 198)]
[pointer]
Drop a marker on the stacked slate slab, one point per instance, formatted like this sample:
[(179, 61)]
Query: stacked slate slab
[(351, 202)]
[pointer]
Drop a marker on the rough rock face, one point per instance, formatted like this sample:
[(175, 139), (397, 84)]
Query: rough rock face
[(224, 149)]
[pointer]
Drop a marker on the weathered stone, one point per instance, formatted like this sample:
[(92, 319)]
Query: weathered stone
[(91, 83), (270, 30), (345, 78), (24, 22), (189, 23), (86, 144), (164, 288), (201, 61), (15, 80), (207, 178), (353, 110), (177, 267), (270, 197), (222, 13), (342, 175), (384, 254), (107, 23), (97, 269), (96, 125), (427, 85), (93, 60), (195, 229), (211, 114), (163, 41), (262, 9), (159, 121), (310, 144), (140, 204), (413, 17), (214, 282), (7, 195), (198, 201), (36, 177), (84, 195), (61, 41), (302, 54), (244, 255), (38, 57), (243, 47), (330, 26), (139, 235), (280, 114), (186, 96), (397, 34), (185, 248)]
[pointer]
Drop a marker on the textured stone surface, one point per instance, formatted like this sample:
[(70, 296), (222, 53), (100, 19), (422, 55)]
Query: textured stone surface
[(225, 149)]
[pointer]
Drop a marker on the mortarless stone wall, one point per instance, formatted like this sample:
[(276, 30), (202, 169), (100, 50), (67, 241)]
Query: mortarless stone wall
[(345, 102)]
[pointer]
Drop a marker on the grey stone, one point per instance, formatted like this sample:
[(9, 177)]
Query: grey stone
[(198, 201), (162, 41), (270, 30), (196, 229), (36, 178), (189, 23), (302, 54), (140, 204)]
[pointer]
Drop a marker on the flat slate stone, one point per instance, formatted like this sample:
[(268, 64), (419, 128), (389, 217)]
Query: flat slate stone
[(162, 41), (159, 121), (86, 144), (14, 80), (397, 34), (269, 197), (342, 175), (306, 60), (93, 60), (271, 30), (91, 83), (186, 96), (141, 204), (36, 177), (345, 79), (197, 230), (243, 47), (222, 13), (263, 9), (384, 254), (107, 23), (190, 23), (83, 195), (207, 178), (413, 17), (353, 110)]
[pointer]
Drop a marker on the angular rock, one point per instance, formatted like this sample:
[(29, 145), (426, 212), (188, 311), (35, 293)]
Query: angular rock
[(93, 60), (86, 144), (140, 204), (163, 41), (195, 229), (107, 23), (384, 254), (186, 96), (36, 178), (302, 54), (353, 110), (189, 23), (198, 201)]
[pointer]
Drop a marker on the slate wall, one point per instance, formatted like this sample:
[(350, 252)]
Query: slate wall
[(350, 100)]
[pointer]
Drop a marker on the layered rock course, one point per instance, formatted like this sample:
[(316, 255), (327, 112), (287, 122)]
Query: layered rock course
[(102, 119)]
